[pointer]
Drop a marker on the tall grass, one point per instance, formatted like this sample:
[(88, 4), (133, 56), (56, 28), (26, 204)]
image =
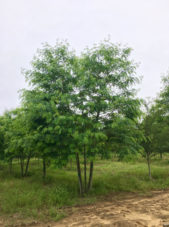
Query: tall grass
[(35, 198)]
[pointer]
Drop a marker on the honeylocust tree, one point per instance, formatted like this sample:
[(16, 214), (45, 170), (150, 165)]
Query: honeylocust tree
[(71, 98)]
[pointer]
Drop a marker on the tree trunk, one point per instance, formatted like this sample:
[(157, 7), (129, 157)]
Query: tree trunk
[(149, 167), (85, 170), (90, 176), (27, 165), (161, 155), (79, 174), (44, 168)]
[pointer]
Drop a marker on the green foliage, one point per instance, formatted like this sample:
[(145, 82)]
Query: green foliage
[(73, 100), (124, 137)]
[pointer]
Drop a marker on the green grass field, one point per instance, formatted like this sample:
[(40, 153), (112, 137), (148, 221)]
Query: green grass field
[(33, 198)]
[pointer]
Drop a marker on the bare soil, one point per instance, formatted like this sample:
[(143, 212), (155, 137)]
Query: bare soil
[(119, 211)]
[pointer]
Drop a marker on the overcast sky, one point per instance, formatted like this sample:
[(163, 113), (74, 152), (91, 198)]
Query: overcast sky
[(26, 24)]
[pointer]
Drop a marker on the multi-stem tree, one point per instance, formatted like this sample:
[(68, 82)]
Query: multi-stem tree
[(71, 99)]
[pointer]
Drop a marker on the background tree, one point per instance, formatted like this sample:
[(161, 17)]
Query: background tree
[(2, 138), (18, 139), (155, 131), (162, 113)]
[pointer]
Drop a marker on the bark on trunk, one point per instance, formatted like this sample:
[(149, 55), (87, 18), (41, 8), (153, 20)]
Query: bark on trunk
[(90, 176), (79, 174)]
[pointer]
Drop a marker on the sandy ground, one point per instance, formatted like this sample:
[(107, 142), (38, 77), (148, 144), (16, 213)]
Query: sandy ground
[(120, 211), (149, 211)]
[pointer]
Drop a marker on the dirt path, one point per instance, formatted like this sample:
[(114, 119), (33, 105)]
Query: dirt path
[(149, 211)]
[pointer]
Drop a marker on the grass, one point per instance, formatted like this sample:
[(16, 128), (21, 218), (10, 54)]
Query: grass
[(33, 198)]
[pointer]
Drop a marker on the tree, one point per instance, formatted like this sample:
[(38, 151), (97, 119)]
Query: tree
[(104, 90), (72, 98), (154, 133), (18, 139), (147, 142), (162, 115)]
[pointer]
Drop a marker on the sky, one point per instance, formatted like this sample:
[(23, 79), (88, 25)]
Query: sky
[(142, 25)]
